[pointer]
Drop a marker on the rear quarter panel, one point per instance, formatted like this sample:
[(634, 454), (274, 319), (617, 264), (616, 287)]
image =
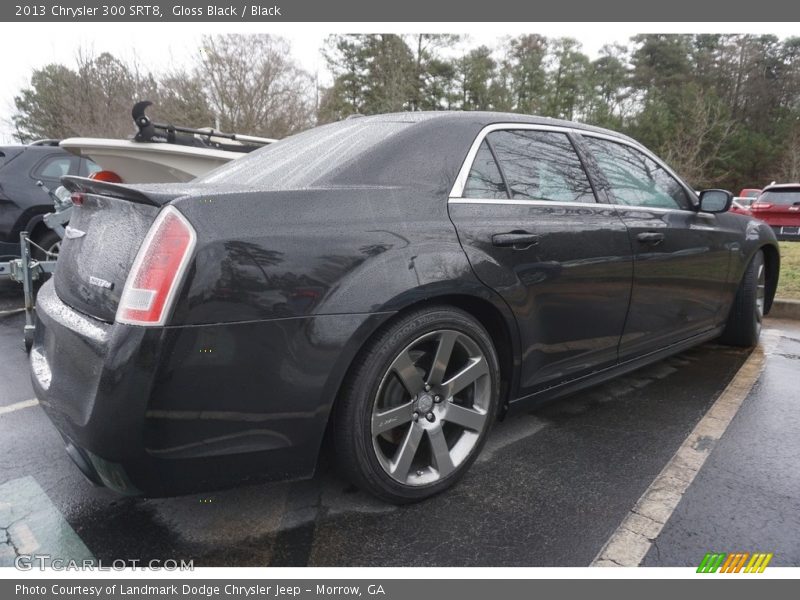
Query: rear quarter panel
[(318, 252), (284, 290)]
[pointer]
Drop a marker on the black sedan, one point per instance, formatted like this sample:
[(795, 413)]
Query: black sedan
[(397, 282)]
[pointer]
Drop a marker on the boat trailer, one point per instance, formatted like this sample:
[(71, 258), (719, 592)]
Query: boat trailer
[(25, 269)]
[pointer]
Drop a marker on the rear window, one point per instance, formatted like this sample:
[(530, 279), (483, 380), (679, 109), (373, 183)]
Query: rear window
[(303, 159), (781, 197)]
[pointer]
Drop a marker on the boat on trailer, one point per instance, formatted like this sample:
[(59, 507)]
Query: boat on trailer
[(162, 152)]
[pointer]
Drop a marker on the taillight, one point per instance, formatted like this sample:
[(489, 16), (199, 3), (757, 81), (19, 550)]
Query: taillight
[(108, 176), (760, 205), (77, 198), (157, 271)]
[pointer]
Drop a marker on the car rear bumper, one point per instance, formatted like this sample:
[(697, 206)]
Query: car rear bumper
[(170, 410), (787, 231), (778, 219)]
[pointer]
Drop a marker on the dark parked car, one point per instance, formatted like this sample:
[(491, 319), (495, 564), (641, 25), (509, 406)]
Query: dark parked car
[(779, 207), (398, 281), (22, 202)]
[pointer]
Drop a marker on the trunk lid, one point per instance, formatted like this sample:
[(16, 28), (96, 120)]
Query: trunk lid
[(102, 240)]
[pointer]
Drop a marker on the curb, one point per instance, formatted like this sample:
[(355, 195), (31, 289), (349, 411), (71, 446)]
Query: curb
[(785, 309)]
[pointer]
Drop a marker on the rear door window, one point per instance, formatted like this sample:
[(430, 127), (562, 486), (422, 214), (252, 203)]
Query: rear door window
[(485, 180), (541, 165)]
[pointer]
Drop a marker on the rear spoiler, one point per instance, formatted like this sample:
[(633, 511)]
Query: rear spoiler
[(115, 190)]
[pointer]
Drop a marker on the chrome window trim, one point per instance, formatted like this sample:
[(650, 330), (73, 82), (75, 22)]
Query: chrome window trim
[(659, 209), (461, 180), (651, 156), (604, 205), (456, 193), (520, 201)]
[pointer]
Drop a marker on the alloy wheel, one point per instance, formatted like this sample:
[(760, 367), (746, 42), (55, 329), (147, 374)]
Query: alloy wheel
[(761, 284), (431, 407)]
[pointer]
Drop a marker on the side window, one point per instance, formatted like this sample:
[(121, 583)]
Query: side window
[(635, 179), (485, 180), (541, 165), (53, 167)]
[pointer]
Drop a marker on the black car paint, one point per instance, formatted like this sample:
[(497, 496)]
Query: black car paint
[(543, 284), (286, 286), (22, 202)]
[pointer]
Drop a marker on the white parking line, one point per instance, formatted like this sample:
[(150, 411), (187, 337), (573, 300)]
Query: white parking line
[(629, 544), (18, 406)]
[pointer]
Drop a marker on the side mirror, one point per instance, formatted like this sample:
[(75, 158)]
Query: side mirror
[(715, 201)]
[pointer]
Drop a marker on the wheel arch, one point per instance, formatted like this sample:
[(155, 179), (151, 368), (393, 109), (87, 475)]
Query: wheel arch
[(772, 264), (33, 222), (501, 327), (37, 227), (494, 316)]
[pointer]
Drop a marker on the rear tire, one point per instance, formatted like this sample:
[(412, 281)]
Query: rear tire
[(418, 405), (50, 241), (744, 321)]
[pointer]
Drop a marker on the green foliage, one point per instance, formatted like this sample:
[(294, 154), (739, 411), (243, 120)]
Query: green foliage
[(85, 101), (722, 109), (789, 282)]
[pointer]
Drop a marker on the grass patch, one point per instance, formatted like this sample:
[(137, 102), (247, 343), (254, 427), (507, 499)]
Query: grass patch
[(789, 282)]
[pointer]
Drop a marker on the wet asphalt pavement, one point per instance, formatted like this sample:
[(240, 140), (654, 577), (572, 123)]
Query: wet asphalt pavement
[(549, 489), (747, 496)]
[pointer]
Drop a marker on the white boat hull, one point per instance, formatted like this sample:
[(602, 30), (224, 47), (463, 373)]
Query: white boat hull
[(145, 162)]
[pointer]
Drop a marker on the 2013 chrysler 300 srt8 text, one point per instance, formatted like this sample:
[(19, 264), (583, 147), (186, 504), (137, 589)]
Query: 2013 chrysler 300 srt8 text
[(396, 281)]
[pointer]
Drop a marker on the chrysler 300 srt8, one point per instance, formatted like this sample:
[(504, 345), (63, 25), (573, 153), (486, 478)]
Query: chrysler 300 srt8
[(396, 281)]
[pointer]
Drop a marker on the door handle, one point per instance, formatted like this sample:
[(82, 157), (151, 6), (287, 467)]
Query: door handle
[(651, 238), (519, 240)]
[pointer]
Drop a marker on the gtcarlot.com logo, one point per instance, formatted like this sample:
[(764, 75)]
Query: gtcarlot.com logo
[(28, 562), (737, 562)]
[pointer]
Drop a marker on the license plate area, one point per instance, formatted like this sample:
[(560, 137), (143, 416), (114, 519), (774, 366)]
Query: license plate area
[(790, 230)]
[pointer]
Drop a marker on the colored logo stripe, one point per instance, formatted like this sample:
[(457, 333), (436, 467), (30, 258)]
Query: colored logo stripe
[(758, 563), (711, 562), (734, 562)]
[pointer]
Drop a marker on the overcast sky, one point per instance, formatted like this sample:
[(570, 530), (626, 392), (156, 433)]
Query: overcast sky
[(159, 46)]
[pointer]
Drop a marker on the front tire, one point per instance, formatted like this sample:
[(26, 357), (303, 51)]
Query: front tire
[(744, 321), (418, 405)]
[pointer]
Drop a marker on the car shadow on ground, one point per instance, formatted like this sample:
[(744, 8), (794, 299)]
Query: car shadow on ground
[(548, 489)]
